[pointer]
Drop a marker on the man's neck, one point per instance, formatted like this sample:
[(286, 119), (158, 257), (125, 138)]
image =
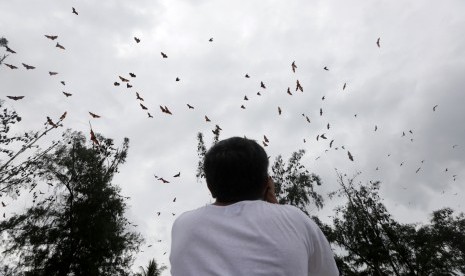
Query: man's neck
[(220, 203)]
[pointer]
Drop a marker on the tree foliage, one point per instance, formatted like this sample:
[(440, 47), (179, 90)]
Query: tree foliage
[(152, 269), (3, 43), (17, 155), (371, 242), (294, 184), (79, 228)]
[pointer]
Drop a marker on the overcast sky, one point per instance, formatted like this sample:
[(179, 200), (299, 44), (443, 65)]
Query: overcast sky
[(420, 64)]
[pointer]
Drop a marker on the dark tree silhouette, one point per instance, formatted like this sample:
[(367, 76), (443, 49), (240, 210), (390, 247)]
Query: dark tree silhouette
[(77, 228), (151, 270), (17, 155), (371, 242), (3, 43)]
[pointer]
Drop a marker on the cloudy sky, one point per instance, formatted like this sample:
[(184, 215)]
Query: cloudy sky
[(420, 64)]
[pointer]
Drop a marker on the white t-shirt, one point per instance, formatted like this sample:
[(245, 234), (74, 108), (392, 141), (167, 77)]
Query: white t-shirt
[(249, 238)]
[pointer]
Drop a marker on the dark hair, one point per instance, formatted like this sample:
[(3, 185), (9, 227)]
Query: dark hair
[(236, 169)]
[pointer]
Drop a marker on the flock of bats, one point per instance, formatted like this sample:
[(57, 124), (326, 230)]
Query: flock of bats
[(166, 110)]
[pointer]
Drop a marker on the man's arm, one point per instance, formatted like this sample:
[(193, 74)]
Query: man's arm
[(321, 261)]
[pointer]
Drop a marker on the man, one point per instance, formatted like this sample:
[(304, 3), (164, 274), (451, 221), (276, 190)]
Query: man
[(245, 232)]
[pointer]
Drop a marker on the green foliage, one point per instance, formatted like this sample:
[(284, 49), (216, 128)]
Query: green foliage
[(371, 242), (16, 156), (79, 229), (152, 269), (294, 184)]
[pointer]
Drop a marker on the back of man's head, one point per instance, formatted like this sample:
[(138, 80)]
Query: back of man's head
[(236, 169)]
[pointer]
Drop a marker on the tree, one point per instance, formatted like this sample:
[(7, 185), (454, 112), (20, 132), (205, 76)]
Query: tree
[(16, 153), (152, 269), (3, 43), (294, 184), (371, 242), (80, 228)]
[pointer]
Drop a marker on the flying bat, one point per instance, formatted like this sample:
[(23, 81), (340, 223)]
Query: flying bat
[(190, 106), (164, 55), (247, 76), (321, 111), (15, 98), (63, 82), (326, 68), (143, 107), (75, 12), (289, 91), (377, 42), (350, 156), (132, 75), (150, 115), (128, 85), (60, 46), (177, 175), (245, 98), (211, 39), (137, 39), (52, 73), (67, 94), (262, 85), (344, 86), (242, 106), (62, 117), (207, 119), (298, 86), (138, 97), (52, 37), (266, 139), (8, 49), (279, 110), (28, 66), (165, 110), (94, 115), (178, 79), (434, 107), (293, 66), (11, 66), (50, 122), (123, 79), (116, 83)]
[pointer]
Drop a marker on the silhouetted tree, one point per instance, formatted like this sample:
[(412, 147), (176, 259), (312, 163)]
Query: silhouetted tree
[(80, 228), (17, 155), (371, 242), (151, 270), (3, 43), (294, 184)]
